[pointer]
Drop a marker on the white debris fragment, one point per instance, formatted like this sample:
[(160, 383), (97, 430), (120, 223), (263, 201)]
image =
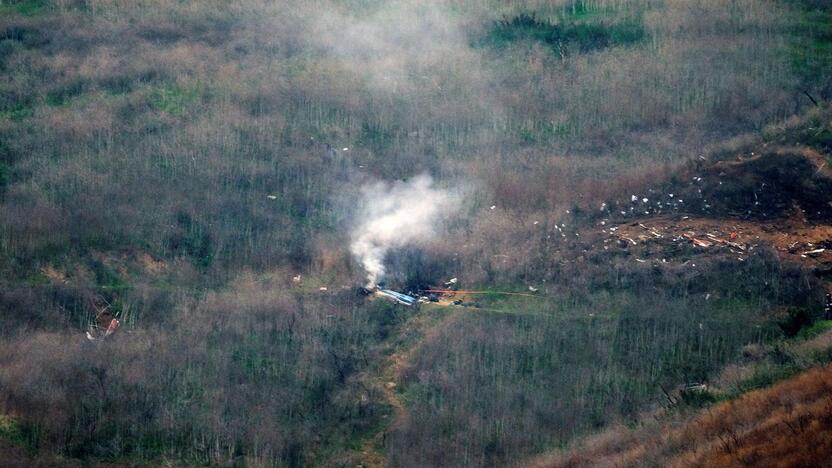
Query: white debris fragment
[(641, 261), (634, 198), (644, 200), (493, 207), (297, 279), (271, 197), (322, 288), (345, 149), (533, 289)]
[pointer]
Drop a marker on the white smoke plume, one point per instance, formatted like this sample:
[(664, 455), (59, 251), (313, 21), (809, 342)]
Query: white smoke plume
[(396, 215)]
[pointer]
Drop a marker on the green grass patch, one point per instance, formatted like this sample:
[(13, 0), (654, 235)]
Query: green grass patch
[(810, 53), (767, 376), (17, 112), (815, 329), (62, 96), (176, 100), (23, 7), (19, 434), (565, 37), (193, 239)]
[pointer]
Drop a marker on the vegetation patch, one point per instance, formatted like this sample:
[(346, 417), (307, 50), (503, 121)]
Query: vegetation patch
[(19, 434), (8, 157), (175, 100), (564, 37), (815, 329), (193, 239), (239, 137), (61, 96), (811, 50), (17, 112), (605, 356), (23, 7)]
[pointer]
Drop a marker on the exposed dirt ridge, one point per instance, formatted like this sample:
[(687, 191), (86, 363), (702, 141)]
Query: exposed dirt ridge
[(779, 198)]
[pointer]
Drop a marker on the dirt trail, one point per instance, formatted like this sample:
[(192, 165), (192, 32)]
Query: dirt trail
[(419, 329)]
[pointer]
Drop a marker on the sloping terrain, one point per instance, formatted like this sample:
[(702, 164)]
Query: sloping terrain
[(788, 424), (194, 171), (682, 233), (775, 194), (772, 199)]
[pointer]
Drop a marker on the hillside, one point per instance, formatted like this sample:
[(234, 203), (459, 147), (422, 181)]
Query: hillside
[(201, 201), (787, 424)]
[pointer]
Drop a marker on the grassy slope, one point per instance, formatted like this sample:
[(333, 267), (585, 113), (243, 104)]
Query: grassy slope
[(785, 424), (609, 355)]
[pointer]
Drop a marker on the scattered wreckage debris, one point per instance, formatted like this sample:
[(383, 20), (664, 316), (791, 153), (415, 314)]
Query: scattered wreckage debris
[(794, 239), (465, 298), (396, 297), (96, 333), (104, 323), (813, 253), (697, 242), (762, 187), (505, 293), (439, 296)]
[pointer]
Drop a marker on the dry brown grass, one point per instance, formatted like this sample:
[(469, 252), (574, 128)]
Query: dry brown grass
[(786, 425)]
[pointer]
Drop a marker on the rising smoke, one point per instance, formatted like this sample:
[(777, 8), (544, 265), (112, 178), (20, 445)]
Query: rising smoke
[(394, 44), (395, 215), (411, 52)]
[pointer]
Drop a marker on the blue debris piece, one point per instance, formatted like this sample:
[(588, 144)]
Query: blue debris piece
[(400, 298)]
